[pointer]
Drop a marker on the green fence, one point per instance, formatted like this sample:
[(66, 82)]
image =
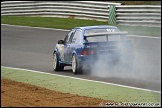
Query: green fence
[(112, 15)]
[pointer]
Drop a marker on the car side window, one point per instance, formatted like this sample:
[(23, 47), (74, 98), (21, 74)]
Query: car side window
[(77, 38), (68, 36)]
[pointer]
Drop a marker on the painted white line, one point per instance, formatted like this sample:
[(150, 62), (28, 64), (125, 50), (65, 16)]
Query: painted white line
[(84, 79), (35, 27), (69, 30), (143, 36)]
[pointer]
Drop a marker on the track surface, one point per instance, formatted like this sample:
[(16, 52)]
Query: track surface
[(32, 48)]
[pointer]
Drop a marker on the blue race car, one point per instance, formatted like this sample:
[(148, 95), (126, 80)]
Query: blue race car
[(83, 46)]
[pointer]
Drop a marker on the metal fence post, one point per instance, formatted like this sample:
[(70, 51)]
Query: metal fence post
[(112, 14)]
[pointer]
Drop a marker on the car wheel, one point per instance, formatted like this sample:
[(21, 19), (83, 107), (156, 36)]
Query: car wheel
[(56, 66), (75, 67)]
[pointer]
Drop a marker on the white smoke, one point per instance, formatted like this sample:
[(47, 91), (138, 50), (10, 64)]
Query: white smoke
[(108, 66), (142, 69)]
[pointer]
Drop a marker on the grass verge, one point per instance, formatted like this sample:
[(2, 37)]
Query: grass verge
[(81, 87), (69, 23)]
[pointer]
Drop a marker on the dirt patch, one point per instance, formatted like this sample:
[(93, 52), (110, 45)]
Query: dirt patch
[(17, 94)]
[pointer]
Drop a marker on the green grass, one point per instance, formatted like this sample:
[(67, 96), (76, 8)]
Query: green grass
[(69, 23), (60, 23), (81, 87)]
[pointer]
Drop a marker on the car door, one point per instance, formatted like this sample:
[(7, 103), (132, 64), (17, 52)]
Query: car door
[(67, 42), (76, 43)]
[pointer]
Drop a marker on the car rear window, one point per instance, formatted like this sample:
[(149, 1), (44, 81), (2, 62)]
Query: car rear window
[(102, 38)]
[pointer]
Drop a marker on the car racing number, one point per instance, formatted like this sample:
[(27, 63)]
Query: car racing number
[(110, 30)]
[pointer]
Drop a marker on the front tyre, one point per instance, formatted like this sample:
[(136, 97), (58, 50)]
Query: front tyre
[(75, 67), (56, 66)]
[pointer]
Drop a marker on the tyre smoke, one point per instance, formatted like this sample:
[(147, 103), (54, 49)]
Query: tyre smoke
[(146, 64)]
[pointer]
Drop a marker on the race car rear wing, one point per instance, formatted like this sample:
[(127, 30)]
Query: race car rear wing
[(106, 33)]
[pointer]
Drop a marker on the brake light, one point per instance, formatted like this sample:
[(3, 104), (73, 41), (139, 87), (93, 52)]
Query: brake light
[(84, 52), (88, 52)]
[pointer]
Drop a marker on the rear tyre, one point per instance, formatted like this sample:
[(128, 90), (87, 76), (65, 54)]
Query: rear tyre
[(75, 66), (56, 66)]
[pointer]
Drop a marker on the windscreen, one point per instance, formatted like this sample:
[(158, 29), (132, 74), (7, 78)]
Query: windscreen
[(103, 38)]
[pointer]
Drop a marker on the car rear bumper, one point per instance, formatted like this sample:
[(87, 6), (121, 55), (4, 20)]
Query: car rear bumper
[(114, 60)]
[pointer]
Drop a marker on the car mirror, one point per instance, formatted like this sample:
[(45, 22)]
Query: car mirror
[(60, 42)]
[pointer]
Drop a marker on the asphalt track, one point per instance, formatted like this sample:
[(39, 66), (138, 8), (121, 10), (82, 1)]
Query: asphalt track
[(32, 48)]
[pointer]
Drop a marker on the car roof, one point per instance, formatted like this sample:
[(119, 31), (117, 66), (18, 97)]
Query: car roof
[(95, 27)]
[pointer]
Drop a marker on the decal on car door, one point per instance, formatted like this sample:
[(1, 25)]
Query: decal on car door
[(60, 48)]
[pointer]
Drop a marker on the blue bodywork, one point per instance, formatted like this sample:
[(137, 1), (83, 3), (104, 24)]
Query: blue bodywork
[(75, 43)]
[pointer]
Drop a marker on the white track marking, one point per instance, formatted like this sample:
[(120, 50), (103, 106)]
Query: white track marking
[(69, 30), (35, 27), (84, 79), (143, 36)]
